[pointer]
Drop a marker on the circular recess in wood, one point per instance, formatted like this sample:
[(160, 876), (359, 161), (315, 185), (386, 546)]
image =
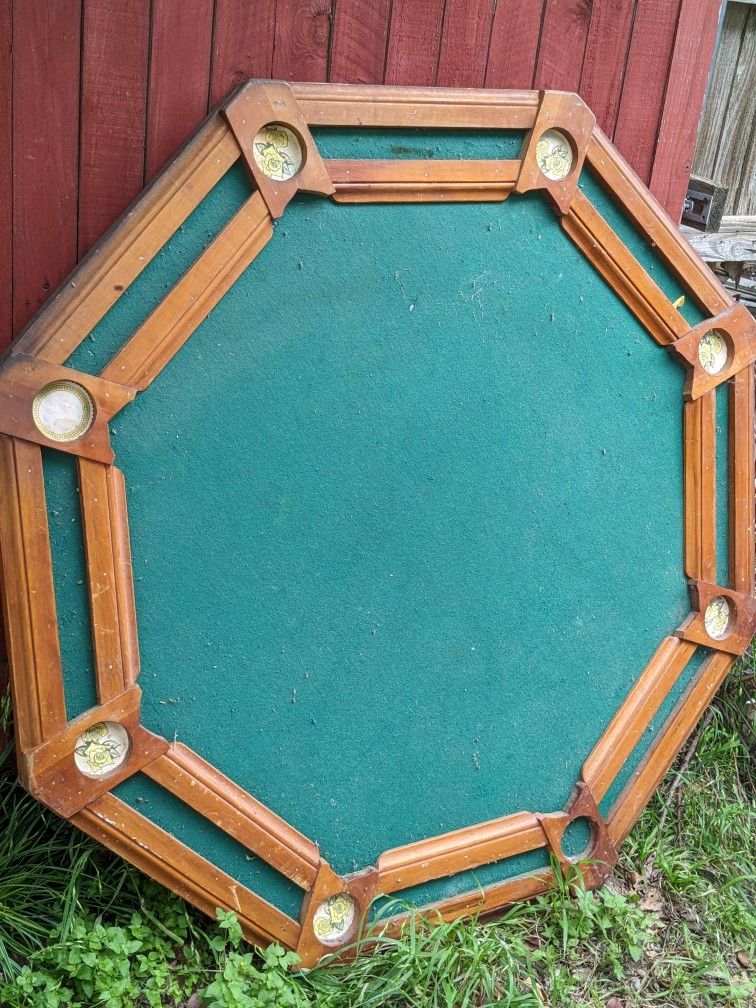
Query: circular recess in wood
[(333, 919), (63, 411), (718, 618), (277, 152), (101, 749), (554, 155), (713, 352)]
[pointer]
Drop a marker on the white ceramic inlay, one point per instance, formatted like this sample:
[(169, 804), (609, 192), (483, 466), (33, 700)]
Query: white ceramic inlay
[(717, 618), (554, 155), (333, 919), (712, 352), (277, 152), (63, 411), (101, 748)]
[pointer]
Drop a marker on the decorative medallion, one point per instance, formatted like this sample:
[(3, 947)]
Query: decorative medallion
[(333, 919), (63, 411), (101, 749), (717, 618), (712, 352), (277, 153), (554, 155)]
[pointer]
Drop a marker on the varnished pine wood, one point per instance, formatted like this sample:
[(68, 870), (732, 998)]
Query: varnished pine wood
[(622, 271), (131, 244), (570, 116), (165, 859), (635, 715), (646, 779), (22, 377), (742, 618), (50, 772), (742, 466), (399, 181), (368, 105), (256, 105), (29, 596), (171, 324), (700, 487), (463, 849), (109, 578), (209, 792), (739, 329), (654, 224)]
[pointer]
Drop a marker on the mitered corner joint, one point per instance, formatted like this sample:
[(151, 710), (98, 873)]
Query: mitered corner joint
[(276, 144), (595, 863), (717, 349), (58, 407), (556, 147), (721, 619)]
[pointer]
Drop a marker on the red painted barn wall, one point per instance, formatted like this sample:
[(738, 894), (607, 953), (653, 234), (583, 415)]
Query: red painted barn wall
[(95, 95)]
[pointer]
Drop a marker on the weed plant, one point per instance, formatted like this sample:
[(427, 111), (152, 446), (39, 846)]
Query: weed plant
[(673, 928)]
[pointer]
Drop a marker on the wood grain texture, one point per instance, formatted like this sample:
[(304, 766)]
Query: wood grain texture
[(50, 772), (650, 218), (515, 32), (362, 181), (727, 137), (635, 715), (711, 131), (165, 859), (110, 586), (247, 112), (622, 271), (302, 35), (359, 40), (738, 128), (56, 332), (568, 113), (477, 902), (6, 182), (461, 850), (605, 59), (680, 724), (742, 620), (414, 42), (362, 887), (342, 105), (22, 377), (202, 787), (170, 325), (464, 43), (734, 242), (738, 327), (46, 63), (742, 463), (700, 487), (564, 33), (29, 596), (113, 104), (243, 37), (686, 84), (179, 77), (644, 83)]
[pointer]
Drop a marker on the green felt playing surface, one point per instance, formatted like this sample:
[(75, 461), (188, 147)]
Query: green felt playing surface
[(405, 512)]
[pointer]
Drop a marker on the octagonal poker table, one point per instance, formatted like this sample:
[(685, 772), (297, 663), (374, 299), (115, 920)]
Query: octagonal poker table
[(378, 510)]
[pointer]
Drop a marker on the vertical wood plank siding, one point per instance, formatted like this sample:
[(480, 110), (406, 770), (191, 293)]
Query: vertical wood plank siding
[(95, 97)]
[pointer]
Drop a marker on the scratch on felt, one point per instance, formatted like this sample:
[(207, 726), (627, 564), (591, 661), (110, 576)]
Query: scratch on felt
[(472, 290)]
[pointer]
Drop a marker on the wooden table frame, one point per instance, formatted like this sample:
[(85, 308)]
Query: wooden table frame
[(45, 738)]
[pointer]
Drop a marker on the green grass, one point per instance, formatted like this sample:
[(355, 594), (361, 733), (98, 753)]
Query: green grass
[(673, 928)]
